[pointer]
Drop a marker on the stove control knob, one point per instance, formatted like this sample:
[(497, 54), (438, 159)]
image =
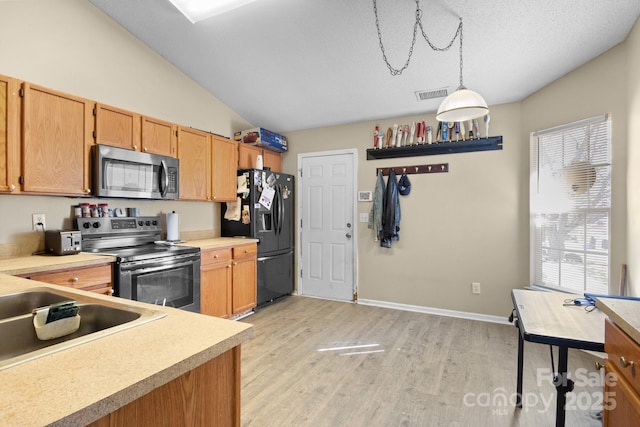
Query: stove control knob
[(86, 225), (141, 223), (155, 222), (147, 223), (96, 225)]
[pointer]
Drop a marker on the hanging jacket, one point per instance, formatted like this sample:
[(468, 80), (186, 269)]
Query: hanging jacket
[(390, 212), (375, 216)]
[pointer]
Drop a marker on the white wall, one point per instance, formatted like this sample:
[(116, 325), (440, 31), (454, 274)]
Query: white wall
[(633, 159), (71, 46)]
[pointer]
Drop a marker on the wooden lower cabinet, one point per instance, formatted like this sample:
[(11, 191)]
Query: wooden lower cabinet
[(98, 279), (228, 280), (247, 155), (621, 400), (209, 395)]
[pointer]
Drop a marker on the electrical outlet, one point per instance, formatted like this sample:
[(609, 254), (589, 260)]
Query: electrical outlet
[(475, 288), (364, 217), (38, 222)]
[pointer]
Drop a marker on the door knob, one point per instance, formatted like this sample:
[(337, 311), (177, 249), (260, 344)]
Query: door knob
[(348, 235), (348, 225)]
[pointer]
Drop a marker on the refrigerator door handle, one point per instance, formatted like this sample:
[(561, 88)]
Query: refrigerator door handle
[(281, 206)]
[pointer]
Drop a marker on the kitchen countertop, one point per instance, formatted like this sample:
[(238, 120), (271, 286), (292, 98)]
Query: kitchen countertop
[(81, 384), (23, 266), (624, 313)]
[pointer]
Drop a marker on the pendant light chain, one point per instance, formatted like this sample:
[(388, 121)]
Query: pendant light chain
[(398, 71)]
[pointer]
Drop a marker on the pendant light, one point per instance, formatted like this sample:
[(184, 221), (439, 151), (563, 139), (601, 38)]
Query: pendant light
[(463, 104)]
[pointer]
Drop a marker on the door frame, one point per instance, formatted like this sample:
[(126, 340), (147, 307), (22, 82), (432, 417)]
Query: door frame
[(299, 207)]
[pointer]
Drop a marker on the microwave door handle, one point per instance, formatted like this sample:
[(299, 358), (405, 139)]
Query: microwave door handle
[(164, 178)]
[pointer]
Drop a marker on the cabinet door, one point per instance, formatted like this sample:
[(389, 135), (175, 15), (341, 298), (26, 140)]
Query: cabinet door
[(272, 160), (215, 289), (621, 402), (117, 127), (57, 135), (244, 296), (158, 137), (223, 176), (194, 152), (247, 156), (9, 135)]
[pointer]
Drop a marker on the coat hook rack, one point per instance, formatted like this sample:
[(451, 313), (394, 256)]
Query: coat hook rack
[(409, 170)]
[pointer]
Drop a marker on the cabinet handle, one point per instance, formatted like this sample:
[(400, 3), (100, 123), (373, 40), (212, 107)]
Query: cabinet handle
[(599, 366), (12, 187), (88, 190), (246, 251), (229, 266), (626, 363), (135, 147), (111, 291), (145, 149), (75, 280), (216, 256), (235, 263)]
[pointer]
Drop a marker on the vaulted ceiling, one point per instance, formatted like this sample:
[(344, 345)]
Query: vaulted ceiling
[(297, 64)]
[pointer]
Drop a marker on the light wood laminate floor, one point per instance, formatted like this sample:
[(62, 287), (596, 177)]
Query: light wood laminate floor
[(315, 362)]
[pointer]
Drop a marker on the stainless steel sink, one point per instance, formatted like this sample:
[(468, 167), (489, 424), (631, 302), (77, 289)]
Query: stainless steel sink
[(19, 342)]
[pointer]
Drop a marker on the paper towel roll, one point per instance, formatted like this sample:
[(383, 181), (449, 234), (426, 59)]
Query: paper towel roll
[(172, 227)]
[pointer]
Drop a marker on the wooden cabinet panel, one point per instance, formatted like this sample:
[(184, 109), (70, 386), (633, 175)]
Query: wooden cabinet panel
[(245, 251), (194, 152), (247, 157), (57, 135), (95, 278), (621, 400), (9, 135), (209, 395), (244, 295), (224, 161), (116, 127), (272, 160), (158, 137), (215, 282), (215, 289)]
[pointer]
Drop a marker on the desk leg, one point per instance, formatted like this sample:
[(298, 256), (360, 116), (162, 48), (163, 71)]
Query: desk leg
[(563, 385), (520, 363)]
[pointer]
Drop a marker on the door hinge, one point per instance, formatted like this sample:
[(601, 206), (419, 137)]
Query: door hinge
[(301, 223), (301, 273), (21, 92), (300, 172), (95, 111), (21, 180), (94, 134), (355, 296)]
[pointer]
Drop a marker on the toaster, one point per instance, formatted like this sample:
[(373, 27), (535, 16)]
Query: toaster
[(62, 242)]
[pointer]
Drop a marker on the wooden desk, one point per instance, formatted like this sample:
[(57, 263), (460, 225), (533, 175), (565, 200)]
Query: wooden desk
[(542, 318)]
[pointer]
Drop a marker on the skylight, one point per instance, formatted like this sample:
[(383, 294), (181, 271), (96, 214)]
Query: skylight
[(197, 10)]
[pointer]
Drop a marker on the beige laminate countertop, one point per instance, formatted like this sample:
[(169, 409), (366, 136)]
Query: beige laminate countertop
[(220, 242), (624, 313), (81, 384), (22, 266)]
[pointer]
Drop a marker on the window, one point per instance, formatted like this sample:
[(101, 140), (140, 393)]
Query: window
[(570, 203)]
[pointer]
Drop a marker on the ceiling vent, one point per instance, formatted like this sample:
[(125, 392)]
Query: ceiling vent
[(423, 95)]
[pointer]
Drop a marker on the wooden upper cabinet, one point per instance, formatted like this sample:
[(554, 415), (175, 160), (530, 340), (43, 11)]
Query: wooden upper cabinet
[(9, 135), (247, 155), (194, 152), (158, 137), (223, 177), (116, 127), (272, 160), (57, 134)]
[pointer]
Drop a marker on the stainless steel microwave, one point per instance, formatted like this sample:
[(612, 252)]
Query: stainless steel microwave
[(118, 172)]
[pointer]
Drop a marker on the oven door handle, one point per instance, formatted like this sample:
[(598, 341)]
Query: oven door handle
[(171, 266)]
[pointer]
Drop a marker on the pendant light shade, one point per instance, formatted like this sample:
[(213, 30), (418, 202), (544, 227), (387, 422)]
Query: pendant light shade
[(461, 105)]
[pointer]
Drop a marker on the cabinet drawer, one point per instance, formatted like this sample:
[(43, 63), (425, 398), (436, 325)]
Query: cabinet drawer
[(622, 349), (213, 256), (79, 278), (245, 251)]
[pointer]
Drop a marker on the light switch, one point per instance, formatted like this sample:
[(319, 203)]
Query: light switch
[(364, 217)]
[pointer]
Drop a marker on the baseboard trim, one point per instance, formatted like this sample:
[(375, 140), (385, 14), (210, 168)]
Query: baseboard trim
[(437, 311)]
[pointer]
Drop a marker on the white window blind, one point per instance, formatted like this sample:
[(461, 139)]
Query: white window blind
[(570, 202)]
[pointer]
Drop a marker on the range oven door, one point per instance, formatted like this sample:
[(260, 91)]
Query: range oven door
[(169, 281)]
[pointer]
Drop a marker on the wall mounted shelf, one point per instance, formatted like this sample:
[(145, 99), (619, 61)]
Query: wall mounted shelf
[(482, 144)]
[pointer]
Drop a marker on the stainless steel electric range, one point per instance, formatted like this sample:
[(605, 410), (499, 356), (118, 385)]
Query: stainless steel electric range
[(147, 269)]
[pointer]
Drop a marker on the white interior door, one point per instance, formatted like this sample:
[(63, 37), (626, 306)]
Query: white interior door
[(327, 228)]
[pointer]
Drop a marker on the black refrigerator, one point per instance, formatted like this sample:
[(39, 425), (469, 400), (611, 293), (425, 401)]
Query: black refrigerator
[(265, 212)]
